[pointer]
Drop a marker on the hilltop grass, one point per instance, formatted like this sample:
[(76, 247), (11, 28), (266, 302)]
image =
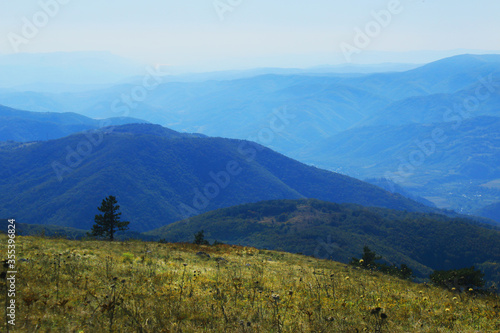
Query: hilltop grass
[(97, 286)]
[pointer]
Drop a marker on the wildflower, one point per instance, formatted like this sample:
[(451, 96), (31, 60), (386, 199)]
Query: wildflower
[(454, 298), (361, 261), (470, 289), (347, 278), (447, 310)]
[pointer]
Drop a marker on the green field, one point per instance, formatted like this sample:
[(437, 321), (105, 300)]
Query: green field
[(97, 286)]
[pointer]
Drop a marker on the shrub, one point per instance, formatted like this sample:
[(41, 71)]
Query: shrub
[(199, 238), (458, 278)]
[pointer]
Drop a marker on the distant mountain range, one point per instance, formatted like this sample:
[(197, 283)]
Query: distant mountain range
[(424, 242), (24, 126), (458, 171), (160, 176), (322, 105), (442, 108), (363, 125), (56, 72)]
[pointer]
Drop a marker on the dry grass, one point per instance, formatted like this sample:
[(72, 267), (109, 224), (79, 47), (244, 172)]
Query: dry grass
[(93, 286)]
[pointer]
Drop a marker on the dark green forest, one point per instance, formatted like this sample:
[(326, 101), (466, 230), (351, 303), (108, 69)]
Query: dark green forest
[(422, 241)]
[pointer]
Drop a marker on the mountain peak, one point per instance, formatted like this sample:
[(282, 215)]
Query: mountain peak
[(463, 62)]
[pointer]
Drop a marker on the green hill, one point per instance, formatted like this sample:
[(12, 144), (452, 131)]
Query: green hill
[(424, 242), (24, 229)]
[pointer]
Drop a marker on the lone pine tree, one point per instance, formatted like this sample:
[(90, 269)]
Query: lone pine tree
[(108, 223)]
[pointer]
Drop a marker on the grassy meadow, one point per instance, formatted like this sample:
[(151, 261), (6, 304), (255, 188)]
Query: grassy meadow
[(134, 286)]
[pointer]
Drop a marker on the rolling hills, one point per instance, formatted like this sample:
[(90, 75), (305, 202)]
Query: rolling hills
[(24, 229), (160, 176), (322, 105), (482, 98), (424, 242), (453, 171), (362, 125)]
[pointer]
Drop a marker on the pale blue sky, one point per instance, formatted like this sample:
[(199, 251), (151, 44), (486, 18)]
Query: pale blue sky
[(286, 33)]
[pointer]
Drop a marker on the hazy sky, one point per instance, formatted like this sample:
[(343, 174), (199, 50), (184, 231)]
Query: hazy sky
[(249, 33)]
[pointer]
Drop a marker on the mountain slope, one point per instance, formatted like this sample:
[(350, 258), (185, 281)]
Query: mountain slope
[(161, 179), (23, 229), (480, 99), (226, 289), (423, 241), (390, 186), (491, 211), (23, 126), (452, 74), (453, 171)]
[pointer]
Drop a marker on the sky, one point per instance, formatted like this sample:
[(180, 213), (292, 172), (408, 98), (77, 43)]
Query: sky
[(234, 34)]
